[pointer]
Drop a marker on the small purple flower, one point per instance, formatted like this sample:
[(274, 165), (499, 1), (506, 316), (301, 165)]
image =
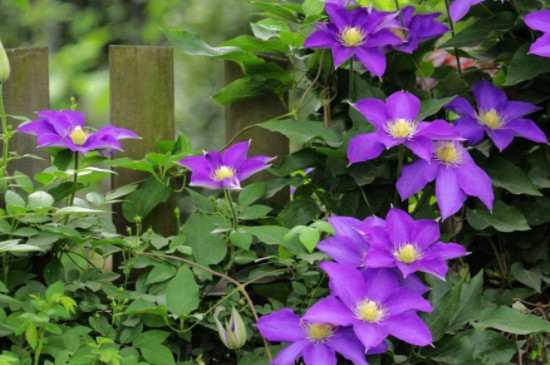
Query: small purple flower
[(411, 246), (225, 170), (540, 20), (500, 118), (350, 244), (416, 28), (66, 129), (316, 342), (456, 176), (374, 304), (359, 33), (395, 122)]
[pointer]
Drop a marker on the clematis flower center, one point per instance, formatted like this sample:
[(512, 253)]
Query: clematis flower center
[(407, 254), (319, 332), (401, 128), (491, 119), (448, 154), (370, 311), (79, 136), (352, 36), (224, 172)]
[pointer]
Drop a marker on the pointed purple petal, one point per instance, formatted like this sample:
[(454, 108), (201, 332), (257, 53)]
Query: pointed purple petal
[(404, 300), (343, 250), (462, 107), (438, 129), (364, 147), (346, 344), (475, 182), (445, 251), (282, 325), (400, 226), (459, 8), (345, 282), (252, 166), (500, 137), (373, 60), (375, 110), (341, 54), (235, 155), (329, 310), (415, 176), (290, 354), (409, 327), (517, 109), (421, 146), (450, 197), (426, 232), (526, 128), (370, 335), (320, 39), (380, 283), (319, 354), (435, 266), (539, 20), (541, 46), (379, 256), (403, 105), (383, 38), (470, 129), (488, 96)]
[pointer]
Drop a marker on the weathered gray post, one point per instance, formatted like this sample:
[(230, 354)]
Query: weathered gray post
[(142, 100), (244, 113), (26, 92)]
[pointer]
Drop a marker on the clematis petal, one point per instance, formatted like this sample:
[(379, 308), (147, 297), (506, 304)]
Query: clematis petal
[(282, 325), (526, 128), (235, 155), (364, 147), (445, 251), (541, 47), (539, 20), (329, 310), (459, 8), (415, 176), (426, 232), (470, 129), (379, 283), (320, 354), (500, 137), (403, 105), (517, 109), (450, 197), (488, 96), (375, 110), (462, 107), (346, 344), (405, 300), (370, 335), (341, 54), (421, 146), (475, 182), (343, 250), (253, 165), (409, 327), (320, 39), (379, 256), (290, 354), (438, 129), (345, 282), (400, 226), (373, 60)]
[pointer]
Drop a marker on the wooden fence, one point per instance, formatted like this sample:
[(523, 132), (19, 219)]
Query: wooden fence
[(142, 100)]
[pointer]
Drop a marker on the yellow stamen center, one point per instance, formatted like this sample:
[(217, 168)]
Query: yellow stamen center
[(224, 172), (407, 254), (318, 332), (79, 136), (369, 311), (352, 36), (401, 128), (448, 154), (491, 119)]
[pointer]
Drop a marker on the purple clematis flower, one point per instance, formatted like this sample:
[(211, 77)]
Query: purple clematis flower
[(540, 20), (411, 246), (500, 118), (225, 170), (456, 176), (416, 28), (350, 244), (316, 342), (395, 122), (66, 129), (358, 33), (373, 303)]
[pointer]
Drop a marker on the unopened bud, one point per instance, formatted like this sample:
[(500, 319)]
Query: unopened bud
[(4, 65), (233, 334)]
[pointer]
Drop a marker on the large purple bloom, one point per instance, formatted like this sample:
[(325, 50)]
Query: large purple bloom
[(374, 304), (416, 28), (395, 122), (456, 176), (411, 246), (500, 118), (359, 33), (66, 129), (225, 170), (349, 245), (316, 342), (540, 20)]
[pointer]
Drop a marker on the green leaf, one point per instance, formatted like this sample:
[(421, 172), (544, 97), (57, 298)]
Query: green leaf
[(241, 239), (120, 192), (160, 273), (482, 29), (525, 66), (531, 278), (470, 302), (207, 248), (275, 9), (270, 235), (313, 7), (148, 338), (268, 28), (39, 200), (510, 320), (299, 212), (142, 201), (309, 238), (251, 193), (250, 44), (31, 335), (158, 355), (201, 202), (508, 176), (255, 212), (504, 218), (239, 89), (191, 44), (430, 107), (445, 309), (14, 200), (15, 246), (303, 131), (182, 293)]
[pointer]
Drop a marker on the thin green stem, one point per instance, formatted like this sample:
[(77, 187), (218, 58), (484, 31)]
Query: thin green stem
[(400, 154), (75, 179), (452, 26), (235, 219), (423, 199), (238, 355), (398, 8), (38, 351), (351, 80), (5, 134), (5, 266)]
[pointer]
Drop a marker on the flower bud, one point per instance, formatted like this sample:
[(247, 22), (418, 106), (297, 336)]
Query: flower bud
[(233, 335), (4, 65)]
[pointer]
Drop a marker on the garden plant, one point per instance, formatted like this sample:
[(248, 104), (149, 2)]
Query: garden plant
[(410, 224)]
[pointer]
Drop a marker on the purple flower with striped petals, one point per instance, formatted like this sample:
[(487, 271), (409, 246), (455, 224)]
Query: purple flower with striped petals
[(66, 129), (500, 118), (540, 20), (416, 28), (217, 170), (396, 123), (374, 304), (317, 342), (411, 246), (359, 33), (456, 176)]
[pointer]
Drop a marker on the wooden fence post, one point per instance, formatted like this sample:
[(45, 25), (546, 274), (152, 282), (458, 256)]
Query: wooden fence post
[(244, 113), (26, 92), (142, 100)]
